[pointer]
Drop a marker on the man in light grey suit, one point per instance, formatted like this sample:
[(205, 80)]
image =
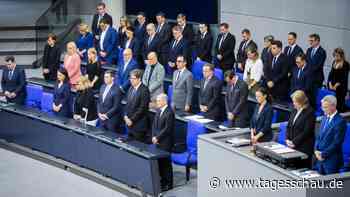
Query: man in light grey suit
[(154, 75), (182, 86)]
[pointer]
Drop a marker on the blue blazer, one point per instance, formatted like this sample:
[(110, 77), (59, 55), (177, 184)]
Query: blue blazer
[(16, 84), (329, 142), (62, 95), (140, 33), (262, 122), (153, 46), (110, 45), (304, 82), (122, 77), (317, 63), (180, 49), (134, 46), (85, 42)]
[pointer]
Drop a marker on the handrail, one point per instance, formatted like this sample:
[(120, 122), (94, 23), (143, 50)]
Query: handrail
[(54, 5)]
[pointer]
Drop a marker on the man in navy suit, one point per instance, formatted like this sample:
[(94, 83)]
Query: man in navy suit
[(316, 57), (109, 104), (225, 48), (107, 46), (204, 43), (140, 34), (13, 82), (291, 51), (328, 145), (124, 70), (138, 99), (276, 73), (301, 78), (164, 33), (178, 46), (247, 43), (101, 14), (209, 93), (187, 29), (151, 43)]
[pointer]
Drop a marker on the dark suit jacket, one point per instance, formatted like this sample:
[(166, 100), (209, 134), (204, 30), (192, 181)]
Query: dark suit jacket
[(181, 48), (52, 60), (210, 97), (236, 102), (16, 84), (110, 44), (204, 46), (227, 50), (242, 52), (188, 34), (291, 57), (95, 29), (329, 142), (134, 46), (137, 108), (266, 55), (302, 131), (304, 82), (122, 78), (317, 63), (86, 99), (163, 129), (262, 122), (165, 36), (279, 75), (62, 95), (111, 106), (153, 46), (140, 33)]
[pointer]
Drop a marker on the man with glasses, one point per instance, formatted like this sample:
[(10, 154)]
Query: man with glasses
[(124, 68), (13, 82), (136, 112), (178, 46), (316, 57), (100, 14), (151, 42), (204, 43), (182, 86)]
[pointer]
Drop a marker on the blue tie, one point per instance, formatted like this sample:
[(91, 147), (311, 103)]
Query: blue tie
[(313, 52)]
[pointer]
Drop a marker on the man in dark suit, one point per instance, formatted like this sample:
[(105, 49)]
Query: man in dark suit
[(225, 48), (124, 69), (140, 27), (109, 104), (236, 100), (164, 34), (209, 93), (138, 99), (178, 46), (163, 137), (247, 43), (101, 14), (291, 51), (151, 43), (328, 145), (107, 45), (301, 78), (13, 82), (204, 43), (187, 29), (316, 57), (276, 73)]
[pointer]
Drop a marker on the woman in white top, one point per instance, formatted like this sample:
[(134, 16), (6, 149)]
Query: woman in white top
[(253, 70)]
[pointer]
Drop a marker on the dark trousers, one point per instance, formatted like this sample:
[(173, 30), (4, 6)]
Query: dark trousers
[(165, 172)]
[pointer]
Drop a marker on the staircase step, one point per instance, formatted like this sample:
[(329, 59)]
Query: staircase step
[(18, 52), (17, 46), (10, 34)]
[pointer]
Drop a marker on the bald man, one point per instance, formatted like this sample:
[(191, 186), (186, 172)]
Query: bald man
[(124, 68)]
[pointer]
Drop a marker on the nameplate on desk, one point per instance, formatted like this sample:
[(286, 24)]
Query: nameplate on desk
[(198, 118)]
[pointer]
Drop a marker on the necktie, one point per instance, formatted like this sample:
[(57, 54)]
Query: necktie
[(174, 45), (150, 74), (178, 76), (105, 93), (159, 28), (244, 45), (274, 61), (205, 83), (326, 124), (10, 74), (149, 40), (222, 40), (299, 72), (289, 51), (313, 52)]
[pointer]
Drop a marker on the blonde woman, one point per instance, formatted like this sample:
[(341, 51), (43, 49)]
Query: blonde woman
[(85, 41), (93, 69), (124, 23), (72, 64), (85, 105)]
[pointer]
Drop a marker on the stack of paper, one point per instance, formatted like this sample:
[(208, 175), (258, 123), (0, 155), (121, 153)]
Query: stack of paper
[(238, 141)]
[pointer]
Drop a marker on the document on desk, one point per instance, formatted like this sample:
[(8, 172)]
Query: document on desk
[(238, 141), (283, 150)]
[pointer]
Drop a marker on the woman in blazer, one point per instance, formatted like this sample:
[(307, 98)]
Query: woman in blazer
[(85, 41), (260, 125), (85, 102), (300, 129), (61, 97), (72, 63)]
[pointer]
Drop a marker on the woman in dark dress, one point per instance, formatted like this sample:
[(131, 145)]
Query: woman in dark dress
[(260, 125), (301, 127), (85, 104), (93, 70), (124, 23), (61, 96), (51, 58), (338, 78)]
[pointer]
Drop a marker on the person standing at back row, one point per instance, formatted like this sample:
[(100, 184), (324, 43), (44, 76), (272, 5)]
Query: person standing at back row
[(316, 57), (100, 14), (224, 48)]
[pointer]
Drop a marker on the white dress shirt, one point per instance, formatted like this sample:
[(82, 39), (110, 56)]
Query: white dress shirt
[(102, 39), (255, 68)]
